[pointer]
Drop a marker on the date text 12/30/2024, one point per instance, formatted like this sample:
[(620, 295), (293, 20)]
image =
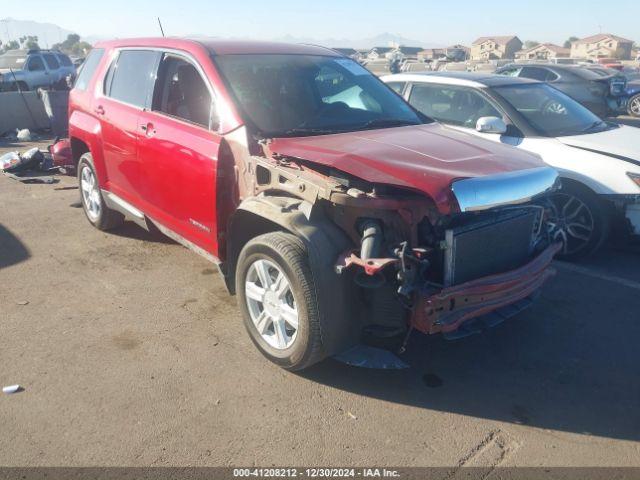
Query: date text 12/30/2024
[(315, 473)]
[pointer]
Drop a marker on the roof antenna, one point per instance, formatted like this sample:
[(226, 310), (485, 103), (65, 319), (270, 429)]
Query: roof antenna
[(161, 29)]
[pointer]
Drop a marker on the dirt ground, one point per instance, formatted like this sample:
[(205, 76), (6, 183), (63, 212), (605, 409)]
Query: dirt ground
[(131, 353)]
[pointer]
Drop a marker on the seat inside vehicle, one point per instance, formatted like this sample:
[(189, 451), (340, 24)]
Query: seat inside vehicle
[(184, 94)]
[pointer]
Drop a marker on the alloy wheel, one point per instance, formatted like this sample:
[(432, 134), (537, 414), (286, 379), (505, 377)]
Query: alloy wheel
[(570, 221), (634, 106), (90, 193), (271, 304)]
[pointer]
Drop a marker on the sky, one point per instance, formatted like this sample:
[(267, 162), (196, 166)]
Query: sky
[(437, 22)]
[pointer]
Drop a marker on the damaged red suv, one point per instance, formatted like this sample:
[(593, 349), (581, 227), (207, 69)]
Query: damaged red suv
[(334, 210)]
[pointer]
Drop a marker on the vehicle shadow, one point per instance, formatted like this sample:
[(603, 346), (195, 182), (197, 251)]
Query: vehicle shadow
[(136, 232), (570, 363), (12, 250)]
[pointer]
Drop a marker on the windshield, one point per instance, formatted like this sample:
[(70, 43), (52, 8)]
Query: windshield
[(15, 62), (296, 95), (551, 112)]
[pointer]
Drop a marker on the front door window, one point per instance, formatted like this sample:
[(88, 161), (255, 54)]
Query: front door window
[(460, 106)]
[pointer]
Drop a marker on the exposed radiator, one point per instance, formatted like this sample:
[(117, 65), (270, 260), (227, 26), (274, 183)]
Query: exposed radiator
[(498, 243)]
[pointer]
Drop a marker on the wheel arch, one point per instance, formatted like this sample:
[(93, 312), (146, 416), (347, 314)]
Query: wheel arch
[(263, 214), (324, 242), (85, 136)]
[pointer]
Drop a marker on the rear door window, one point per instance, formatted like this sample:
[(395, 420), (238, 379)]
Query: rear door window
[(460, 106), (64, 60), (35, 64), (131, 77), (88, 68), (538, 73), (51, 61), (181, 92)]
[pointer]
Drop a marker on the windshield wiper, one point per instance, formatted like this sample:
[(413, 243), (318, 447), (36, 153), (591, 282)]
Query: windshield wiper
[(388, 122), (308, 131)]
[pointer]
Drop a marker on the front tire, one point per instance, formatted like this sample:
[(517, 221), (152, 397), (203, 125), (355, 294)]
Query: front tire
[(95, 209), (633, 107), (277, 297), (579, 219)]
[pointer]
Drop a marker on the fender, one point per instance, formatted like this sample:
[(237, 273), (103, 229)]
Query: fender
[(87, 129), (324, 242)]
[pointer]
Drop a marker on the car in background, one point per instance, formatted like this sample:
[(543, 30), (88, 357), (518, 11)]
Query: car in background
[(332, 207), (598, 161), (603, 95), (32, 69), (633, 98), (631, 103)]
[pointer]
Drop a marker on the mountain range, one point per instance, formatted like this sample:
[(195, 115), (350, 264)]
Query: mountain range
[(49, 33)]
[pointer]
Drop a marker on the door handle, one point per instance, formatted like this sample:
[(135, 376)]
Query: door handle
[(99, 110), (148, 129)]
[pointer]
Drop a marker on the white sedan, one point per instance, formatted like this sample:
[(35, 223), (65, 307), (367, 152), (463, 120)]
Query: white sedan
[(598, 161)]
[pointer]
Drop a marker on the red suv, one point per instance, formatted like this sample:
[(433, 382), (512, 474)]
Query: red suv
[(333, 209)]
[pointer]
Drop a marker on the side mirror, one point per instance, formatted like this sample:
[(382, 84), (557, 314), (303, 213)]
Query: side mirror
[(491, 125)]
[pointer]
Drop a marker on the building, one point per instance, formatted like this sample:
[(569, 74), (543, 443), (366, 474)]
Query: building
[(603, 45), (498, 47), (544, 51)]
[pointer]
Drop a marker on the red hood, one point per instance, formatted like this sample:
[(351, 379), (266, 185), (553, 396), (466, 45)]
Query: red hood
[(427, 158)]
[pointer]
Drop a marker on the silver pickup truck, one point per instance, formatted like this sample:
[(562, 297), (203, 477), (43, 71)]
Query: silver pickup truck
[(32, 69)]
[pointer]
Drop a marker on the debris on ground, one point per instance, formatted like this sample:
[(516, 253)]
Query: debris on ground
[(12, 389), (9, 160), (24, 135), (61, 155), (29, 167), (23, 302)]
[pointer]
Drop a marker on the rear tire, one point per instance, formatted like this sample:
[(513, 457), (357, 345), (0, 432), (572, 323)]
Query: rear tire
[(633, 107), (95, 209), (578, 218), (18, 86), (277, 297)]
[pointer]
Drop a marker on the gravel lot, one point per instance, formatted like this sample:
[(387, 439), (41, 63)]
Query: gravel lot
[(131, 353)]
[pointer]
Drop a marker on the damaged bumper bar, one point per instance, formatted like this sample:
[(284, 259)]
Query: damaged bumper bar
[(447, 310)]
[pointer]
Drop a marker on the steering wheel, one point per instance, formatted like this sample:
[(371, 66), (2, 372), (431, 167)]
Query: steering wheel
[(335, 107), (326, 109)]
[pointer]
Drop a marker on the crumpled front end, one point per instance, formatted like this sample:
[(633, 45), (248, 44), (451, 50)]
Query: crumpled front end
[(495, 253), (413, 266)]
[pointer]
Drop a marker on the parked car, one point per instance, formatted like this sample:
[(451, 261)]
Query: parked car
[(330, 205), (630, 100), (602, 95), (598, 161), (632, 93), (32, 69)]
